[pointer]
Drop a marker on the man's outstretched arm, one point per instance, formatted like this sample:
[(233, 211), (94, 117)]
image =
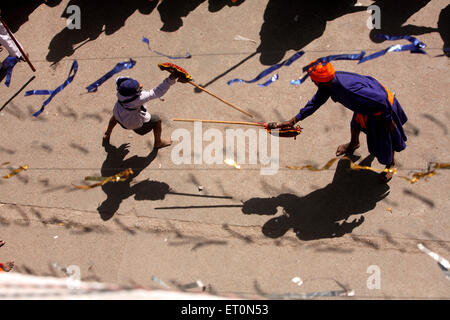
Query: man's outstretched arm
[(319, 99)]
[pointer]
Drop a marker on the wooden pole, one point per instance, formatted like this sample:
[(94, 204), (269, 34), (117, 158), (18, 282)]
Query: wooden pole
[(20, 90), (228, 103), (259, 124), (18, 45)]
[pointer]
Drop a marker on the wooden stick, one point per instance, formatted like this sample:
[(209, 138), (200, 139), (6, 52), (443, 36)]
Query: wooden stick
[(20, 90), (228, 103), (259, 124), (18, 45)]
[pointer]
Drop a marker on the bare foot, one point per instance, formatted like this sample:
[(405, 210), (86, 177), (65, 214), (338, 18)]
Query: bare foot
[(387, 176), (2, 243), (163, 143), (347, 148), (8, 266)]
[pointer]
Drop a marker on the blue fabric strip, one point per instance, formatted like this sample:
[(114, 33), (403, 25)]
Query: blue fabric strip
[(187, 56), (268, 82), (271, 69), (416, 46), (300, 81), (53, 93), (325, 60), (9, 64), (118, 68), (416, 42)]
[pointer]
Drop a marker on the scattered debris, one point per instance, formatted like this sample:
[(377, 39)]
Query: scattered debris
[(60, 268), (238, 37), (337, 293), (196, 284), (159, 281), (443, 263), (297, 281), (232, 163), (16, 171)]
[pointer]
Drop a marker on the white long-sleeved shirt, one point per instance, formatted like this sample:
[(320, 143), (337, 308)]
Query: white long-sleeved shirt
[(132, 115), (8, 43)]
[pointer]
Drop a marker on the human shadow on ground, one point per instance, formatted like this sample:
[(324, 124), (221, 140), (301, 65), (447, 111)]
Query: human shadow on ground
[(317, 215), (293, 24), (16, 13), (172, 11), (96, 17), (393, 15), (116, 192), (444, 29)]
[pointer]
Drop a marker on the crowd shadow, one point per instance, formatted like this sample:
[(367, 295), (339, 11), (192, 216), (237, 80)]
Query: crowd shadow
[(444, 29), (96, 17), (174, 236), (100, 16), (116, 192), (172, 11), (317, 215), (16, 13), (393, 16), (415, 195), (293, 24), (436, 121)]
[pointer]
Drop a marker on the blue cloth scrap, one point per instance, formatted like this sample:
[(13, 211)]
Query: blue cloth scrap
[(9, 64), (268, 82), (118, 68), (416, 46), (325, 60), (53, 93), (271, 69), (186, 56)]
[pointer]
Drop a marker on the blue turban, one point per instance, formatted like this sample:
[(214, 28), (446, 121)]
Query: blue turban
[(127, 87)]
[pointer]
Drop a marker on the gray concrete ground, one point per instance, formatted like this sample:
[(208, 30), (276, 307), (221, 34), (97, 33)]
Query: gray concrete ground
[(245, 233)]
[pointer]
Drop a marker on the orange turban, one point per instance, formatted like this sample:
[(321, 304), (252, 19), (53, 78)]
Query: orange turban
[(322, 73)]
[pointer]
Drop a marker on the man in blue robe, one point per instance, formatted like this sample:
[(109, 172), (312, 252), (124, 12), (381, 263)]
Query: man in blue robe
[(377, 112)]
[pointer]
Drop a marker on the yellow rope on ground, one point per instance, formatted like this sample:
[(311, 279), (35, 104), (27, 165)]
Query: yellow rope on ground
[(416, 176), (12, 174), (122, 176)]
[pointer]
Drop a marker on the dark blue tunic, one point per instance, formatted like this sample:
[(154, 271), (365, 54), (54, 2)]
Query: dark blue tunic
[(372, 108)]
